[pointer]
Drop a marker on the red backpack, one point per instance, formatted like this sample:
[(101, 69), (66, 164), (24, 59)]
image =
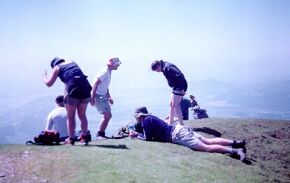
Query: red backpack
[(47, 137)]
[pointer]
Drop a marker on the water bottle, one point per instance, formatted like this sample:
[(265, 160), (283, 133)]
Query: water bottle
[(131, 126)]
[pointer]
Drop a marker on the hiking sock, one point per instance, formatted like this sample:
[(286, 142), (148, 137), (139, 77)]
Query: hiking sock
[(84, 140), (239, 154), (70, 141)]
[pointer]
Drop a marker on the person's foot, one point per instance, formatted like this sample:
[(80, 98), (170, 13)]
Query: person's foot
[(239, 154), (70, 141), (84, 140), (239, 144), (101, 136)]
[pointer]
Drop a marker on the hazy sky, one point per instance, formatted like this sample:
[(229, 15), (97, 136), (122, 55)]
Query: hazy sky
[(231, 40)]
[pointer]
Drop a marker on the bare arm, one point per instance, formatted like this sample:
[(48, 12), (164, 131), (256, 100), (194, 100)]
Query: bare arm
[(109, 97), (49, 123), (94, 89), (49, 81)]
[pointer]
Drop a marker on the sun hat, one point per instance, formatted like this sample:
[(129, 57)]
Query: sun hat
[(141, 111), (114, 61), (56, 61)]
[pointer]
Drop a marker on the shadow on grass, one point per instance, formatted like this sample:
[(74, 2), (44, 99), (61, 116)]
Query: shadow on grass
[(247, 161), (120, 146), (208, 131)]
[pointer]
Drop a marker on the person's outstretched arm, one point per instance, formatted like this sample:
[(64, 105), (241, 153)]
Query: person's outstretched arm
[(49, 81)]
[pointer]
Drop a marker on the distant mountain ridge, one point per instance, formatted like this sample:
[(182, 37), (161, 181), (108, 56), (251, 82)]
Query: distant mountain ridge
[(272, 96)]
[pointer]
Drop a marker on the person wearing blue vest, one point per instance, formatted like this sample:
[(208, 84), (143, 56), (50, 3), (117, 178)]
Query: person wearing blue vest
[(77, 95), (155, 129)]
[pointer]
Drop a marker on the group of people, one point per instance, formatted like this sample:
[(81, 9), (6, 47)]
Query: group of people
[(79, 92)]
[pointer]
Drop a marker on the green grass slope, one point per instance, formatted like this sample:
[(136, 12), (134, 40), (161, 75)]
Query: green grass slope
[(127, 160)]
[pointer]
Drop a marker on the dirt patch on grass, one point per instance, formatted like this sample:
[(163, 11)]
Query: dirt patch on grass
[(268, 143), (34, 166)]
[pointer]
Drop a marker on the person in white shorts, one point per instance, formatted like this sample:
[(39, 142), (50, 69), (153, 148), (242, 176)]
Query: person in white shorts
[(155, 129)]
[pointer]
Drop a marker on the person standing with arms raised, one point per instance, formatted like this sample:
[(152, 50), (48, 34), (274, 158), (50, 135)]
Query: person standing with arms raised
[(177, 82), (77, 95), (101, 97)]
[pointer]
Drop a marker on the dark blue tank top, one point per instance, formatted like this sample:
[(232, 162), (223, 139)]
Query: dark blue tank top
[(69, 72)]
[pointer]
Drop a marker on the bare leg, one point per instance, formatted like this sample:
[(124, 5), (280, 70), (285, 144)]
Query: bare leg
[(217, 141), (220, 149), (82, 108), (171, 111), (104, 121), (175, 109), (213, 148), (71, 123)]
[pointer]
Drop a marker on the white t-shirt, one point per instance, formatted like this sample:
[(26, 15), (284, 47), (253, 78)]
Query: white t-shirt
[(105, 76), (56, 120)]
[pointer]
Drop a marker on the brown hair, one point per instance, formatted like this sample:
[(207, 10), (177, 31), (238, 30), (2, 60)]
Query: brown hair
[(155, 64)]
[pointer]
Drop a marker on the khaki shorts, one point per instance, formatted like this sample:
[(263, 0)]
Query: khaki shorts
[(102, 104), (185, 136)]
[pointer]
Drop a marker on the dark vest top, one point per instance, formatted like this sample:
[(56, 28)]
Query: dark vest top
[(69, 72)]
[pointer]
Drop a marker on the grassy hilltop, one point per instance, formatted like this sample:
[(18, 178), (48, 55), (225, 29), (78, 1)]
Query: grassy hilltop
[(126, 160)]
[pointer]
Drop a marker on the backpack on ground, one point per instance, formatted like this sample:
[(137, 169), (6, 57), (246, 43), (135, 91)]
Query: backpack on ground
[(47, 137)]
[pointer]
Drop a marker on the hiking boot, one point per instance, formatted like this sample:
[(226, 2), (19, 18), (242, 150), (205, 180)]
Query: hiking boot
[(84, 140), (239, 144), (70, 141), (239, 154), (101, 136)]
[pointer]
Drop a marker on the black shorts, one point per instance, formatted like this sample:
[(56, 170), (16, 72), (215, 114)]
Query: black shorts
[(181, 89)]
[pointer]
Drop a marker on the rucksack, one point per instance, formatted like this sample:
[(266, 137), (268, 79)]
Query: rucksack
[(47, 137)]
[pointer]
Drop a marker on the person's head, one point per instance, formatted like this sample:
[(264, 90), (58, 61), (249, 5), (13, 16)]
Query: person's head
[(156, 66), (59, 100), (191, 97), (114, 63), (140, 113), (54, 62)]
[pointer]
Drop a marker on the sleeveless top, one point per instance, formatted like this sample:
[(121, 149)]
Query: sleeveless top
[(76, 83)]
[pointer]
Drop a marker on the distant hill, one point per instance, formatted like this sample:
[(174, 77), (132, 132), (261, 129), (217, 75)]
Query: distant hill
[(252, 100), (24, 117)]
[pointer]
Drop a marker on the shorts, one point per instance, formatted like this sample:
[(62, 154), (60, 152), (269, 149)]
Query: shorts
[(73, 101), (180, 90), (102, 104), (185, 136)]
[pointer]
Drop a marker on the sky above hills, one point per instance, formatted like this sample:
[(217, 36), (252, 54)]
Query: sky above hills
[(233, 41)]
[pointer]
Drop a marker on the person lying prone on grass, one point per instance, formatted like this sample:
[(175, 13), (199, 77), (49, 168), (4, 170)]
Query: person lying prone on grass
[(155, 129)]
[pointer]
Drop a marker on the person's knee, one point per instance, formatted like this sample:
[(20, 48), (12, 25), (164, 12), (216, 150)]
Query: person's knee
[(203, 147), (206, 140), (107, 116), (71, 118), (82, 116)]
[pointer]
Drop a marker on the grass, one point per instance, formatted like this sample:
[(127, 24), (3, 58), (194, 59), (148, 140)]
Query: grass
[(127, 160)]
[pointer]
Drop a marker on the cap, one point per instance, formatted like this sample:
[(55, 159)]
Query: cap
[(56, 61), (114, 61), (141, 111)]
